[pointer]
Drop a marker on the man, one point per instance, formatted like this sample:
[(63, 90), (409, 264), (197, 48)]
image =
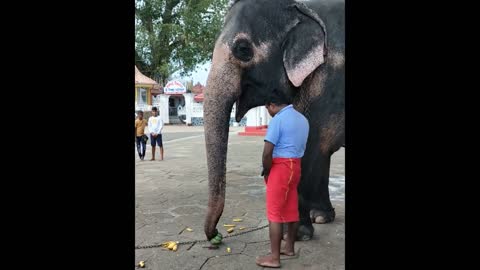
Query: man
[(140, 136), (155, 126), (284, 147)]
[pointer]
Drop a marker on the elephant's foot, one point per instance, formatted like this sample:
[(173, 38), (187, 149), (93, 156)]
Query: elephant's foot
[(321, 217), (304, 232)]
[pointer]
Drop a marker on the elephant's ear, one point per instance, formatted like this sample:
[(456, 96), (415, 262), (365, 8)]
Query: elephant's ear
[(304, 47)]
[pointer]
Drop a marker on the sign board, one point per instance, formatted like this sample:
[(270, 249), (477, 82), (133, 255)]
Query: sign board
[(174, 87)]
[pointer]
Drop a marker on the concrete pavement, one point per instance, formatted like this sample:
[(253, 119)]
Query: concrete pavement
[(172, 195)]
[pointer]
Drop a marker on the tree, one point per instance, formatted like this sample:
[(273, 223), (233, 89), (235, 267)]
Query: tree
[(175, 35)]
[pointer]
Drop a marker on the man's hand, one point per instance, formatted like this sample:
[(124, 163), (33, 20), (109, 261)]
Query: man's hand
[(265, 176), (267, 159)]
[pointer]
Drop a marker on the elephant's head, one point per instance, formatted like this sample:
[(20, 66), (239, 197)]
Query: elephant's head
[(264, 45)]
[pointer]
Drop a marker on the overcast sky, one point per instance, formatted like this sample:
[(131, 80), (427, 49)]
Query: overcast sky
[(199, 75)]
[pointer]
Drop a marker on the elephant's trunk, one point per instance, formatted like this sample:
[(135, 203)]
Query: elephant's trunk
[(222, 90), (216, 141)]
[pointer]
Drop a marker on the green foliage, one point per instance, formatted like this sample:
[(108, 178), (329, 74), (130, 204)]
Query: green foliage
[(175, 35)]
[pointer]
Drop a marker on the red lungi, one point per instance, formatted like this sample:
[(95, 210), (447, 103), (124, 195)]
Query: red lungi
[(282, 198)]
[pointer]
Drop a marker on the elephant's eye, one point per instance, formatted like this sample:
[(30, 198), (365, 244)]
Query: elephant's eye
[(242, 50)]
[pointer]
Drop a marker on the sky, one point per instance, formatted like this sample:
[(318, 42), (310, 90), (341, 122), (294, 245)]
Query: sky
[(199, 75)]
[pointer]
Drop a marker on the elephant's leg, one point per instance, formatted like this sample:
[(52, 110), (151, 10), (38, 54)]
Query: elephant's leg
[(322, 210), (313, 193), (321, 207), (305, 228), (325, 138)]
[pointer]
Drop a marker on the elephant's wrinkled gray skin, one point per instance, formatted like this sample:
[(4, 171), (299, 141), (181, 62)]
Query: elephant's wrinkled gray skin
[(297, 48)]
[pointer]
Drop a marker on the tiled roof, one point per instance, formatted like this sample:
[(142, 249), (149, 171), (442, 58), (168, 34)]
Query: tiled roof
[(142, 79)]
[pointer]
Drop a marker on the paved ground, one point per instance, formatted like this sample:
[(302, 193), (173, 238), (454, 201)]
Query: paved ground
[(172, 195)]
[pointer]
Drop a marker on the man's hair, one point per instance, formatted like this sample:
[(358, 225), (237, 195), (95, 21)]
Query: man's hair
[(154, 109), (140, 112), (277, 97)]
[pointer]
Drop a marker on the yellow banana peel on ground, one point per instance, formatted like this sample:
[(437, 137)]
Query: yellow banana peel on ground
[(170, 245)]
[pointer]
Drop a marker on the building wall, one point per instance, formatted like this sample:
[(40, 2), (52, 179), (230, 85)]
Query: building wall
[(194, 111)]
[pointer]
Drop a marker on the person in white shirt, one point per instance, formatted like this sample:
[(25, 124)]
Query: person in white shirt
[(155, 126)]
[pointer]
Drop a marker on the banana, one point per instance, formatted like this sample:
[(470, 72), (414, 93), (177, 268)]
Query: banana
[(175, 247), (188, 229), (141, 264), (171, 245), (237, 219), (229, 225), (241, 228), (229, 250), (229, 230)]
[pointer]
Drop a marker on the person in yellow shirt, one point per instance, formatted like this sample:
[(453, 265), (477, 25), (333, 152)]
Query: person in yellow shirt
[(140, 136)]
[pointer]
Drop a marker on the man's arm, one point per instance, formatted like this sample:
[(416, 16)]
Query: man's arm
[(267, 158), (160, 126)]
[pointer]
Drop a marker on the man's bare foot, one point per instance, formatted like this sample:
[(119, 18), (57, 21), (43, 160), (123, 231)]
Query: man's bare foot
[(152, 159), (268, 261), (286, 252)]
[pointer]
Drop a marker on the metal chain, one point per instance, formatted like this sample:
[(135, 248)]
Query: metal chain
[(205, 240), (252, 230)]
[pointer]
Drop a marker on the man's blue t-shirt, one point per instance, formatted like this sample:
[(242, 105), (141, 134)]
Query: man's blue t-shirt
[(288, 131)]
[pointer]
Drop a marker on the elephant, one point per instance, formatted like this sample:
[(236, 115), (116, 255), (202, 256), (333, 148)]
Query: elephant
[(299, 49)]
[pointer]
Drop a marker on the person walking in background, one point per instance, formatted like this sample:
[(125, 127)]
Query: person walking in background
[(155, 126), (140, 136)]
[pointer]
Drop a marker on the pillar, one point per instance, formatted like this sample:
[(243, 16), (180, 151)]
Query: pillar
[(163, 109), (188, 107)]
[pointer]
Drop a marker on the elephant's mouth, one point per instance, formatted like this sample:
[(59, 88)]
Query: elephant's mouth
[(240, 110), (237, 115)]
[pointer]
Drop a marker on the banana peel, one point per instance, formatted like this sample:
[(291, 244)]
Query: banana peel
[(141, 264), (171, 245)]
